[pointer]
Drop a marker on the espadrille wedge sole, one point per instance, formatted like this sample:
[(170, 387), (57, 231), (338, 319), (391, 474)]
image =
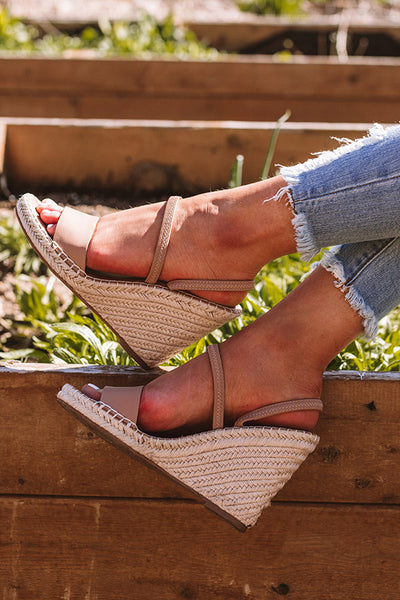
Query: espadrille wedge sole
[(153, 321), (236, 471)]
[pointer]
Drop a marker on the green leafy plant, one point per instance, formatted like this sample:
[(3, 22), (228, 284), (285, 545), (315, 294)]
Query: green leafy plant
[(62, 334), (143, 38), (39, 302), (15, 251), (272, 7), (14, 34), (81, 340)]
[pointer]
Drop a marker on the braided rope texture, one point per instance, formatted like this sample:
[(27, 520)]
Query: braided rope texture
[(238, 469), (151, 321)]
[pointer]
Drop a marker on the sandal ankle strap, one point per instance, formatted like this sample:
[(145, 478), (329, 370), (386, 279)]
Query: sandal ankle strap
[(218, 285), (217, 371), (160, 253), (277, 408), (163, 240)]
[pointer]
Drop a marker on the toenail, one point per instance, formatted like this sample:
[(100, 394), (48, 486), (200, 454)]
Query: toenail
[(93, 386)]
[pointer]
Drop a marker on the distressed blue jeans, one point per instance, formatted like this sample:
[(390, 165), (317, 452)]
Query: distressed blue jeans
[(349, 198)]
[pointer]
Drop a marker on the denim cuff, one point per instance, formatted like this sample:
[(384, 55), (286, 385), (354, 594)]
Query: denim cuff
[(337, 197)]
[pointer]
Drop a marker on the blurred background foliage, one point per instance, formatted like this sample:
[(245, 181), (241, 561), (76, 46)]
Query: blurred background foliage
[(145, 37)]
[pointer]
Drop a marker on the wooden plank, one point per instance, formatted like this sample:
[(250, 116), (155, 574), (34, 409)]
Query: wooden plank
[(251, 108), (70, 459), (107, 550), (47, 452), (152, 157), (302, 76), (168, 89)]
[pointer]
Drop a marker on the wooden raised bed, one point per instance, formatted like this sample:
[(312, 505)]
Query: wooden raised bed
[(82, 520), (237, 88), (151, 157)]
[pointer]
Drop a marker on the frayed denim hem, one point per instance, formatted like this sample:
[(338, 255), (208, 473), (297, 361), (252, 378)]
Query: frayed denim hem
[(297, 182), (305, 244), (375, 134), (330, 262)]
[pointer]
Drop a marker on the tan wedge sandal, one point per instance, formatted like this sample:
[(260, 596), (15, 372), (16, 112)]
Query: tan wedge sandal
[(153, 320), (234, 470)]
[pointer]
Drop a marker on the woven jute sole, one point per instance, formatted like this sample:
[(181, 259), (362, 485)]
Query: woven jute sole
[(152, 322), (235, 471)]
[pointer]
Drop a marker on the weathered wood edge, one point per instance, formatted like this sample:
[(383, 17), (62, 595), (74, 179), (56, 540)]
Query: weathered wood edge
[(17, 368), (234, 58), (298, 126)]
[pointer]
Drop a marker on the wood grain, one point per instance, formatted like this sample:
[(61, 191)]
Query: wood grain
[(314, 88), (107, 550), (47, 452), (153, 157)]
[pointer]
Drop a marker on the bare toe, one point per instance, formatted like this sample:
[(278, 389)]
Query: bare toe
[(49, 213), (50, 216), (48, 203), (92, 391)]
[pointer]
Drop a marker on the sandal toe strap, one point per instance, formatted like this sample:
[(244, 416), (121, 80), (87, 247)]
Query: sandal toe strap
[(123, 400), (73, 234)]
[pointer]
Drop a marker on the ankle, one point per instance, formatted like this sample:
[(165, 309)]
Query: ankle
[(277, 371), (255, 221)]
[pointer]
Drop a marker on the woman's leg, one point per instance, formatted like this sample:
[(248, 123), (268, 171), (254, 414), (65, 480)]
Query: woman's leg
[(345, 196), (283, 355), (228, 234)]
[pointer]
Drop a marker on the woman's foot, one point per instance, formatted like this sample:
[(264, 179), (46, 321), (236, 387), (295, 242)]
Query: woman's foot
[(229, 234), (281, 356)]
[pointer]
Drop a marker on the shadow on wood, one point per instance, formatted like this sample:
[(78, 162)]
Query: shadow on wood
[(152, 157)]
